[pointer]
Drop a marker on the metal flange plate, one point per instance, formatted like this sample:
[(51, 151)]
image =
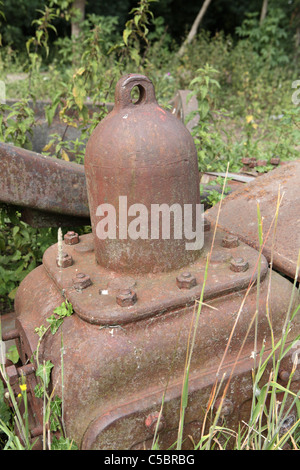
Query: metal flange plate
[(156, 293), (239, 216)]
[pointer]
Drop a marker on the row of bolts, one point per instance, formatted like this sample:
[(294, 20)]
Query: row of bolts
[(252, 162), (128, 297)]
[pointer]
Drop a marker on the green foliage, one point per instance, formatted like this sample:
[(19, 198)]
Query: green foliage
[(65, 310), (21, 249), (267, 39), (52, 412), (52, 404), (5, 413), (63, 443), (12, 354), (215, 195), (41, 38), (17, 123), (211, 148), (43, 371), (135, 34)]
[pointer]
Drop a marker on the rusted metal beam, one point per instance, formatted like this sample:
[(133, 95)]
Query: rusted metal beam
[(53, 186)]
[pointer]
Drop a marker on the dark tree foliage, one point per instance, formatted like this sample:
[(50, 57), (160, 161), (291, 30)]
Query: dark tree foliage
[(222, 15)]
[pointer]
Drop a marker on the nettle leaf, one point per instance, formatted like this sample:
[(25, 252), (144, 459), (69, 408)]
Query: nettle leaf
[(135, 56), (137, 19), (126, 34), (79, 95)]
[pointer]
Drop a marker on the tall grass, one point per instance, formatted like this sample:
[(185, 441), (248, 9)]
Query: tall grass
[(268, 417)]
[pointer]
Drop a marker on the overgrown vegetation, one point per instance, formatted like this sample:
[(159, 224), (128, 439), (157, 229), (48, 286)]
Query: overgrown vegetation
[(14, 423), (244, 83)]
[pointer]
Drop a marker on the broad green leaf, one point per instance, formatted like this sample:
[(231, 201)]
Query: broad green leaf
[(126, 34), (43, 371), (12, 354)]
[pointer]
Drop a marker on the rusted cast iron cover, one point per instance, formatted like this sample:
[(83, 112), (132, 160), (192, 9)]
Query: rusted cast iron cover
[(239, 215), (155, 293)]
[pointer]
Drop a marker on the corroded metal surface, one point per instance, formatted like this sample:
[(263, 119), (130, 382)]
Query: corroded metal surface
[(47, 184), (143, 153), (115, 376), (239, 215), (156, 292), (125, 426)]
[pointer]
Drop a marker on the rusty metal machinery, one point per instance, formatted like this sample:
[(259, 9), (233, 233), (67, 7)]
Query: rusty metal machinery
[(125, 345)]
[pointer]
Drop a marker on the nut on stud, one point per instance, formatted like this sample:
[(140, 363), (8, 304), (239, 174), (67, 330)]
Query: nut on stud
[(81, 281), (239, 265), (230, 241), (126, 298), (284, 375), (186, 281), (275, 161), (226, 406), (152, 420), (65, 261), (71, 238)]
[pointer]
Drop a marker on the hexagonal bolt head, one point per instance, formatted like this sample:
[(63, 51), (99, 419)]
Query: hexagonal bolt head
[(239, 265), (186, 281), (81, 281), (226, 406), (126, 298), (71, 238), (65, 261), (230, 241), (152, 420), (283, 375)]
